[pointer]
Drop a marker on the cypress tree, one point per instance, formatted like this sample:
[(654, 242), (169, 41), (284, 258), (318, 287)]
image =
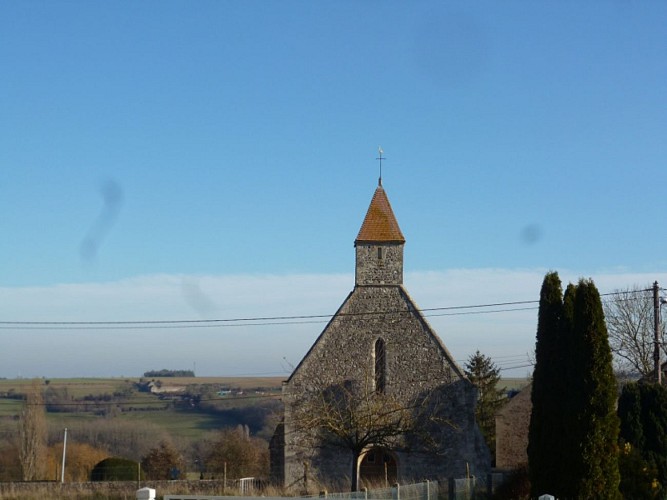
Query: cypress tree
[(595, 471), (546, 421), (571, 435), (572, 448)]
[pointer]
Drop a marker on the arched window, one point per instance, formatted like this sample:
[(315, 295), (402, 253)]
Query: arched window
[(380, 366)]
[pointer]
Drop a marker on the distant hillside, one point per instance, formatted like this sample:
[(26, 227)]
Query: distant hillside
[(184, 407)]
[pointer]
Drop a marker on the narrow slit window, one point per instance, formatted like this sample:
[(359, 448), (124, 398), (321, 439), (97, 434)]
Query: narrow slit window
[(380, 366), (380, 253)]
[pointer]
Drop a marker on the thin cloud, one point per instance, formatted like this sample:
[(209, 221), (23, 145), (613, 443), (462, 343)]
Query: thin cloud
[(258, 349)]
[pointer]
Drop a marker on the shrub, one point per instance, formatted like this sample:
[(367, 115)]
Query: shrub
[(116, 469)]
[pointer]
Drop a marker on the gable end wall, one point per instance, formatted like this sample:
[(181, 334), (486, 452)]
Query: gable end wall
[(417, 363)]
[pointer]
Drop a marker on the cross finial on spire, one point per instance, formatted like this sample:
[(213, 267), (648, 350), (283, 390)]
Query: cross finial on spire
[(380, 157)]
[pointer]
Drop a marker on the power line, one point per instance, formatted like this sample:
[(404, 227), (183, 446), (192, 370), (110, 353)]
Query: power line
[(274, 320), (142, 326), (483, 312), (259, 318), (82, 326), (251, 321), (515, 367), (295, 317)]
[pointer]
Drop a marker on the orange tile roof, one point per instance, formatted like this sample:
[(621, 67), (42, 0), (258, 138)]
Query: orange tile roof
[(380, 223)]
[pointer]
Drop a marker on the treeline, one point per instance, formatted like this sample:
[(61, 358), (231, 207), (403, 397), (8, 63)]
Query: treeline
[(34, 450), (169, 373), (230, 451)]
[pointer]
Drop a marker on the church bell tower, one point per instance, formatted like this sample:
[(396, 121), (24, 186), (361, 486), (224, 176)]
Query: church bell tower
[(379, 245)]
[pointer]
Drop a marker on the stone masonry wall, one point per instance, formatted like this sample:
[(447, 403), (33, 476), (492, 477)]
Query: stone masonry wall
[(417, 364), (379, 264), (512, 424)]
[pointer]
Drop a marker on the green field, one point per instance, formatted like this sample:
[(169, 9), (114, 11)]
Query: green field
[(83, 386), (514, 383), (168, 413), (120, 400)]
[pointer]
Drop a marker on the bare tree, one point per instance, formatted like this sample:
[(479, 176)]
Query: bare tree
[(163, 462), (32, 434), (81, 460), (121, 438), (629, 317), (238, 454), (355, 417)]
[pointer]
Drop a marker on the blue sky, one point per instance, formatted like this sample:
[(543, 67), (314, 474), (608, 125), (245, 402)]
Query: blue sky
[(152, 152)]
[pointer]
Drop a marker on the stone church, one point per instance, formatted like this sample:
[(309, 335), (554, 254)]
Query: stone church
[(377, 359)]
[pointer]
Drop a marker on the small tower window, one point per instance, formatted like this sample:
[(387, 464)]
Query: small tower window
[(380, 253), (380, 366)]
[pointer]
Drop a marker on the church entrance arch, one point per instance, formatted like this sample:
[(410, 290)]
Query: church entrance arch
[(378, 467)]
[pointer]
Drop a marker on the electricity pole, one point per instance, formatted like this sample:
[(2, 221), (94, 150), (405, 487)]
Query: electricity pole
[(656, 326), (62, 471)]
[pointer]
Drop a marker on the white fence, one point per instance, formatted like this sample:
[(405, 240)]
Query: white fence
[(427, 490), (420, 491), (198, 497)]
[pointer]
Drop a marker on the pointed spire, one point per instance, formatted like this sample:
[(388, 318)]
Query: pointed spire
[(380, 224)]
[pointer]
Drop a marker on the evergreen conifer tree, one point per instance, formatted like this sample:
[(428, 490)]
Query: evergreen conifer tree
[(630, 415), (642, 409), (596, 473), (570, 437), (485, 375), (654, 417), (546, 424), (572, 448)]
